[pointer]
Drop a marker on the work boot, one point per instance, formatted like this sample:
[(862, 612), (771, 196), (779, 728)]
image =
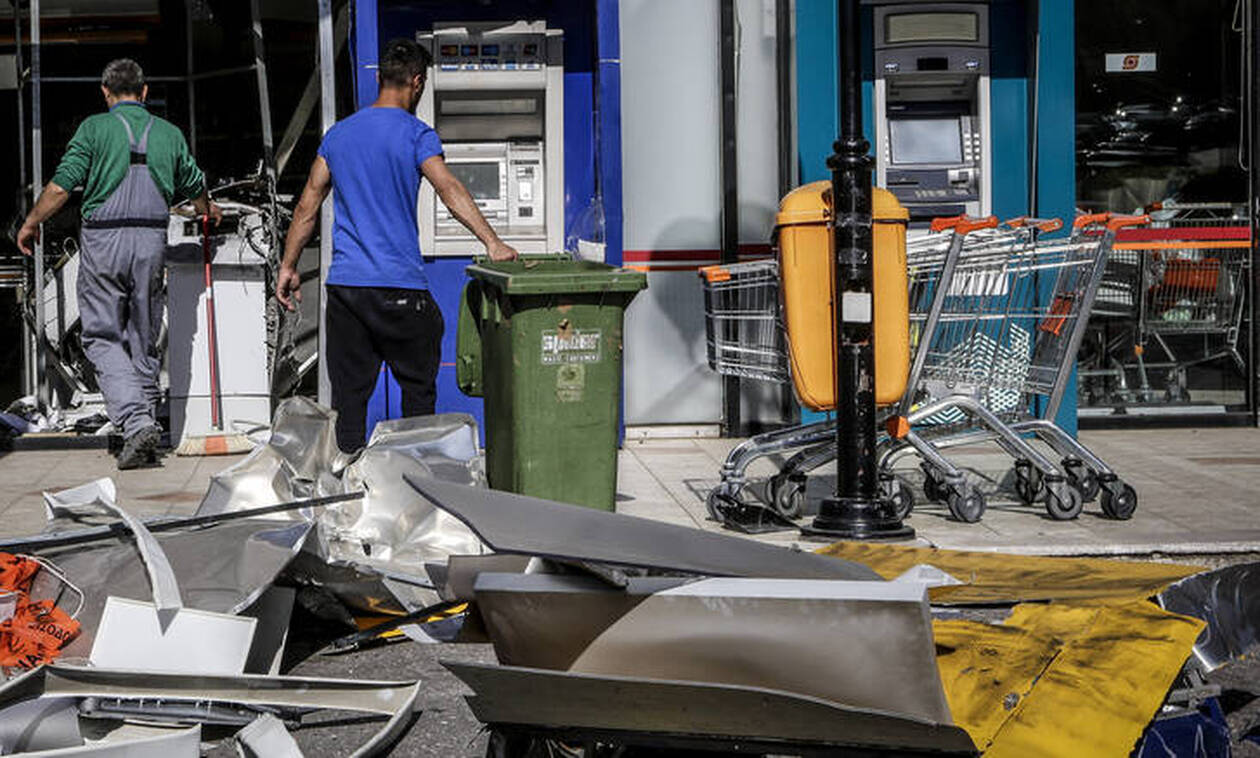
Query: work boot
[(140, 449)]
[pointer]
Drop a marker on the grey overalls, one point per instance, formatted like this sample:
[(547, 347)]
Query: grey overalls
[(121, 292)]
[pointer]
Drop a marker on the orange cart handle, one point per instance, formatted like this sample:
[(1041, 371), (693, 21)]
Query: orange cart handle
[(1119, 222), (712, 274), (964, 224), (1040, 224), (1088, 219)]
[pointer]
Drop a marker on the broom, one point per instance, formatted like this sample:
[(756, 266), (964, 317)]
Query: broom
[(218, 442)]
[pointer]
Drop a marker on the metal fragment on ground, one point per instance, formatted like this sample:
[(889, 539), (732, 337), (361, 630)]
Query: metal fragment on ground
[(223, 569), (101, 495), (690, 713), (1228, 600), (548, 620), (860, 644), (394, 699), (510, 523), (386, 536)]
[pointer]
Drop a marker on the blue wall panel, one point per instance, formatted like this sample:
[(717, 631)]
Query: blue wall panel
[(1056, 135)]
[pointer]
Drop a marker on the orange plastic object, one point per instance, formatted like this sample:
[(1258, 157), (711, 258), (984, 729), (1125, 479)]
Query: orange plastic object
[(898, 427), (715, 274), (1041, 224), (1119, 222), (1087, 219), (806, 271), (1193, 275), (964, 224)]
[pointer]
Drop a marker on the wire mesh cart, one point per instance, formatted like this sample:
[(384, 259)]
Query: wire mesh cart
[(996, 318)]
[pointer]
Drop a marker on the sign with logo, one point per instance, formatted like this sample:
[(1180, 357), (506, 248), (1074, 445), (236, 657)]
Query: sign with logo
[(570, 346), (1130, 62)]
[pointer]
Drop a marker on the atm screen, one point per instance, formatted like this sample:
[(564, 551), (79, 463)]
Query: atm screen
[(925, 140), (481, 179)]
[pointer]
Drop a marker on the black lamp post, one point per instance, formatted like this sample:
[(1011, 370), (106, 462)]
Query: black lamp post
[(855, 510)]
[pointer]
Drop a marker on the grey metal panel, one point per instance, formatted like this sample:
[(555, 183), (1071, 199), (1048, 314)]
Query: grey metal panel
[(510, 523), (1228, 599), (670, 116), (547, 620), (508, 695), (223, 568), (831, 640)]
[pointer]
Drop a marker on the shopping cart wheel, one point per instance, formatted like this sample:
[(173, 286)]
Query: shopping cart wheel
[(967, 506), (787, 493), (1118, 500), (1083, 478), (934, 486), (717, 497), (1063, 501), (897, 494), (1028, 484)]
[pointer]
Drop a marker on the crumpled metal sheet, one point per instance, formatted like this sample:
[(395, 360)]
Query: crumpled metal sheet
[(547, 620), (222, 568), (102, 495), (772, 721), (391, 531), (861, 644), (510, 523), (395, 699), (1228, 599)]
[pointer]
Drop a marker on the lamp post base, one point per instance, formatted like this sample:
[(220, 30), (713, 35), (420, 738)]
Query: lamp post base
[(853, 519)]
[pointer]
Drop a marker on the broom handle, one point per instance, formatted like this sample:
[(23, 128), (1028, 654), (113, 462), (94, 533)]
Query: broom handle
[(215, 411)]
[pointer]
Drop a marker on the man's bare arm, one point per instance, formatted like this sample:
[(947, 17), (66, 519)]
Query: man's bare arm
[(305, 216), (50, 201), (462, 206)]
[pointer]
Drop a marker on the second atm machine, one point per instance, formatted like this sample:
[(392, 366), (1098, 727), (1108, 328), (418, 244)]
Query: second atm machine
[(497, 100), (932, 143)]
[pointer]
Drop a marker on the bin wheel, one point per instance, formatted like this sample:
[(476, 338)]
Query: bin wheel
[(1083, 478), (899, 496), (1118, 500), (966, 506), (787, 493), (1063, 501), (1028, 482)]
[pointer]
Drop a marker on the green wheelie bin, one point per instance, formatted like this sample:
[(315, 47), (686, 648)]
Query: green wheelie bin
[(540, 340)]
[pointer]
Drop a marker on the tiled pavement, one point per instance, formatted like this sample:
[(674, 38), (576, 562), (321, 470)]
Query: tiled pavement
[(1199, 492)]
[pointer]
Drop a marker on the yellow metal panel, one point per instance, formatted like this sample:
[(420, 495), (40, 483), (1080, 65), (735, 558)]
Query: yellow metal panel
[(807, 271), (1004, 578), (1105, 685), (1062, 680)]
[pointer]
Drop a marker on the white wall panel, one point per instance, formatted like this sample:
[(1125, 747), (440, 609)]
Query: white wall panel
[(671, 179)]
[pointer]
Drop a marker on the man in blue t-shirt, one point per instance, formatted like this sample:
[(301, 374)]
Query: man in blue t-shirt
[(379, 307)]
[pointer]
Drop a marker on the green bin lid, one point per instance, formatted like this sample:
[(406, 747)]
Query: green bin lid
[(546, 276)]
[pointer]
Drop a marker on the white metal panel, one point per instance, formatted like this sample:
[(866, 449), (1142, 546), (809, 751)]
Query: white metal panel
[(671, 179), (671, 158)]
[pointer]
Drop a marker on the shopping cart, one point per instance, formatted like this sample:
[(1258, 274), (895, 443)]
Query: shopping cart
[(998, 350), (996, 319), (1177, 288)]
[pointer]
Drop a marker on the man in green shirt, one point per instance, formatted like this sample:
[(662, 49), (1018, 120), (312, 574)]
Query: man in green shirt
[(132, 167)]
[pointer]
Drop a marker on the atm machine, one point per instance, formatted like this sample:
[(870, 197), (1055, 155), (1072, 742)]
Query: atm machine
[(495, 95), (933, 147)]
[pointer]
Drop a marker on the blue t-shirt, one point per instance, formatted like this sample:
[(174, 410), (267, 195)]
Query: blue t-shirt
[(375, 158)]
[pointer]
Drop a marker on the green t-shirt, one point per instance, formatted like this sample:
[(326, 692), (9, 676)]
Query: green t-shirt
[(98, 156)]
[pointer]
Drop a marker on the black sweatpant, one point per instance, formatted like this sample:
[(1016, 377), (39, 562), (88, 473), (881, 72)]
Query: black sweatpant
[(367, 325)]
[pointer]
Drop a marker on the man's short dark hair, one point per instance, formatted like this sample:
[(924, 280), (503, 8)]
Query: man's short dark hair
[(403, 60), (123, 77)]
